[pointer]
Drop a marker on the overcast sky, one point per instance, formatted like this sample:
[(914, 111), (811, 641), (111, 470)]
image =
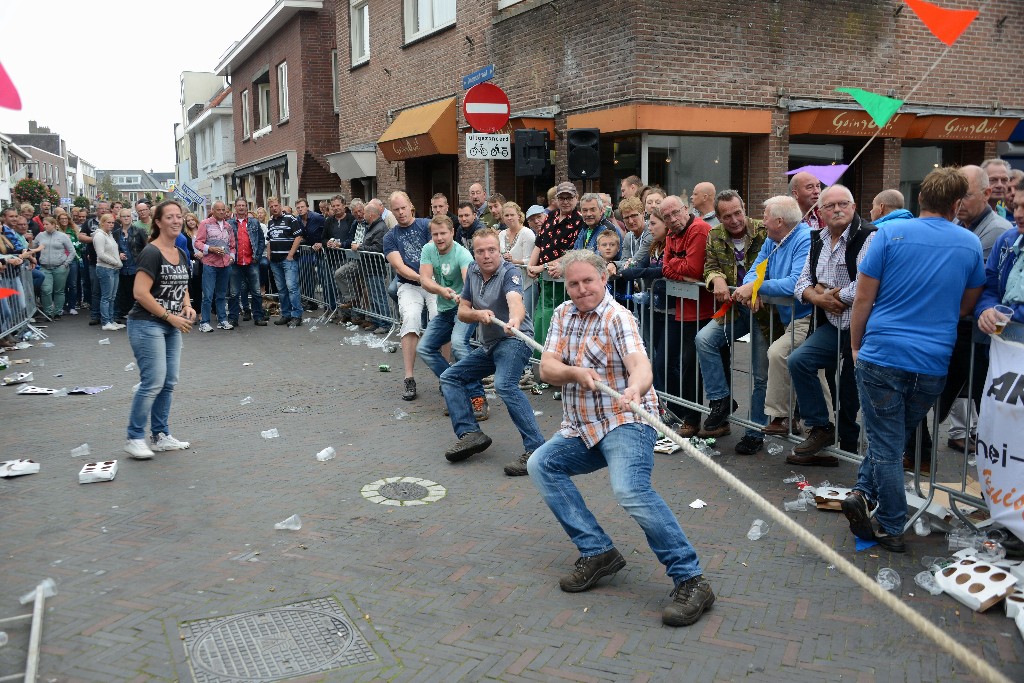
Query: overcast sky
[(124, 58)]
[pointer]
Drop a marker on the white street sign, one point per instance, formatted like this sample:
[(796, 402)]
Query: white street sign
[(488, 146)]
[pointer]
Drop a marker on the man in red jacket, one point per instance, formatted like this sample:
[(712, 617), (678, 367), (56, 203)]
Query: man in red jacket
[(685, 247)]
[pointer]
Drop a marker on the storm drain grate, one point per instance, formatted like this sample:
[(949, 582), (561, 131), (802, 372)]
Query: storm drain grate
[(269, 645), (403, 491)]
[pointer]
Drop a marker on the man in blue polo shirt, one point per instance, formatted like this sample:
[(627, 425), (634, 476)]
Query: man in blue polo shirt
[(918, 278)]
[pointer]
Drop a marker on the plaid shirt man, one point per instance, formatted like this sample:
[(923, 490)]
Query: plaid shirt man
[(599, 339), (832, 272)]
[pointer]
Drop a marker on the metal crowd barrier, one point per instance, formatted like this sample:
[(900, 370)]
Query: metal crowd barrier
[(18, 310), (661, 332)]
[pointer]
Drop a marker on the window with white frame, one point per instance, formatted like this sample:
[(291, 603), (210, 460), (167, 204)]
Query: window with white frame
[(334, 79), (282, 90), (359, 21), (246, 125), (423, 17), (263, 104)]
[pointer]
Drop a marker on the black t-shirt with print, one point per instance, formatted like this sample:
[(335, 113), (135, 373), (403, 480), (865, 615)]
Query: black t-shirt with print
[(170, 281)]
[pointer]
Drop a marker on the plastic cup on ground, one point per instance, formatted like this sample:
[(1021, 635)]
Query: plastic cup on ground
[(293, 523), (80, 451), (758, 529), (889, 579)]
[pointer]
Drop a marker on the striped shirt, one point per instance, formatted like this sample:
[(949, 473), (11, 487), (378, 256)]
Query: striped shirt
[(831, 271), (598, 339)]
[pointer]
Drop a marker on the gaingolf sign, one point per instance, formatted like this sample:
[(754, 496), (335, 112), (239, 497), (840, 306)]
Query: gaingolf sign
[(486, 108)]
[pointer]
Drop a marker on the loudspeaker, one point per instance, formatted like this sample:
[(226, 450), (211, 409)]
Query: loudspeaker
[(531, 152), (584, 153)]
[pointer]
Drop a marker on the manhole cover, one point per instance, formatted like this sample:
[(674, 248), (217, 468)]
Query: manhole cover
[(403, 491), (269, 645)]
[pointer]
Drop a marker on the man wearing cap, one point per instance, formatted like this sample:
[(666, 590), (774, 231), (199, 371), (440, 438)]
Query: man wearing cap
[(556, 237)]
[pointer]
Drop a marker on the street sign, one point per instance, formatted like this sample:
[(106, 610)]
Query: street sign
[(478, 76), (486, 146), (486, 108), (66, 201), (187, 194)]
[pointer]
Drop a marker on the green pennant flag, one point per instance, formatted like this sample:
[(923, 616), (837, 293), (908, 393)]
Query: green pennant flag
[(880, 107)]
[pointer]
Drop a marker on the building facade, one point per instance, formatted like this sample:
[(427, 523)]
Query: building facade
[(15, 164), (132, 184), (212, 140)]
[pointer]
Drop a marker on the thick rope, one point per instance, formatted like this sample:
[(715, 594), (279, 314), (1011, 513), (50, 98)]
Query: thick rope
[(969, 659)]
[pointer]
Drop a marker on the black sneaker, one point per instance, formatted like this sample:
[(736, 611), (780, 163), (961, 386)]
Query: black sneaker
[(246, 316), (259, 322), (590, 569), (234, 323), (894, 544), (517, 468), (94, 322), (749, 445), (468, 444), (690, 599), (283, 320), (859, 510), (717, 423), (409, 393)]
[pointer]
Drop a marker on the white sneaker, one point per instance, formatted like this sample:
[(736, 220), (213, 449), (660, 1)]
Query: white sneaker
[(205, 327), (137, 449), (166, 442), (73, 311), (225, 325), (110, 327), (119, 326)]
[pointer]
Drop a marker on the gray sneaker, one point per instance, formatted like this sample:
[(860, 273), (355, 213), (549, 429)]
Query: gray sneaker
[(690, 599), (517, 468), (590, 569), (468, 444)]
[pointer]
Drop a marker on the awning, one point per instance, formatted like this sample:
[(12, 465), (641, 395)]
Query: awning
[(939, 127), (261, 166), (675, 119), (846, 123), (358, 161), (422, 131)]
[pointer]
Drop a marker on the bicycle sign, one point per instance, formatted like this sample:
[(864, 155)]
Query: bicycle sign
[(488, 146)]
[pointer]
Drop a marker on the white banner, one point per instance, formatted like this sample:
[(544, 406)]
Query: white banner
[(1001, 435)]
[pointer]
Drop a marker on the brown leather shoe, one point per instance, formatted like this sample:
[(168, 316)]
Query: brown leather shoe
[(780, 426), (908, 464), (819, 437), (813, 460), (687, 430), (958, 445)]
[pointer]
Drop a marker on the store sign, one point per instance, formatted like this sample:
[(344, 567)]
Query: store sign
[(846, 123), (486, 146), (963, 128)]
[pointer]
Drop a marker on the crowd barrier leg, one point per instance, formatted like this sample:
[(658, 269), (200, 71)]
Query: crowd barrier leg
[(17, 311)]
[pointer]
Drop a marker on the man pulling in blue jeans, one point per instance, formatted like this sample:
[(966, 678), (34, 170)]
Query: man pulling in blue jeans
[(443, 264), (918, 278), (592, 338), (493, 289)]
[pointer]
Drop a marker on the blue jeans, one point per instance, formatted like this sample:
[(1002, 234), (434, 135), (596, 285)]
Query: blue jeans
[(286, 277), (245, 283), (506, 360), (711, 339), (821, 350), (443, 328), (95, 291), (157, 348), (628, 453), (895, 401), (72, 295), (108, 279), (215, 287)]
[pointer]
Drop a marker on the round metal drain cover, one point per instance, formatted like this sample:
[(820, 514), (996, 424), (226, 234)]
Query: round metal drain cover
[(403, 491), (276, 643)]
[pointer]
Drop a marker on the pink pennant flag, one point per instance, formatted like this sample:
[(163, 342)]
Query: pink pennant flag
[(828, 175), (9, 97)]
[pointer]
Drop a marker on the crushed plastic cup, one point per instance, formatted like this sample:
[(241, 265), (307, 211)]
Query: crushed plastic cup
[(773, 447), (326, 454), (245, 401), (889, 579), (794, 479), (922, 527), (47, 345), (991, 551), (270, 433), (807, 495), (105, 341), (400, 414), (964, 537), (80, 451), (129, 367), (47, 586), (825, 484), (757, 530), (293, 523), (927, 581), (136, 387), (313, 328), (798, 505)]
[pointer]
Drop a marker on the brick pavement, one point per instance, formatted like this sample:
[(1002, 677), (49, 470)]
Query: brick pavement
[(461, 589)]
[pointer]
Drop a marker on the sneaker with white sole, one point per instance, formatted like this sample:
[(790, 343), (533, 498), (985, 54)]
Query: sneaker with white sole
[(110, 327), (73, 311), (225, 325), (166, 442), (205, 327), (120, 326), (137, 449)]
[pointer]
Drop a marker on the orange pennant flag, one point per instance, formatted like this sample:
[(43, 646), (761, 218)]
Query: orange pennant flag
[(945, 24), (761, 270), (720, 313)]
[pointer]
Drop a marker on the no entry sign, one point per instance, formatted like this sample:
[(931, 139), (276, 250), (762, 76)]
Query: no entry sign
[(486, 107)]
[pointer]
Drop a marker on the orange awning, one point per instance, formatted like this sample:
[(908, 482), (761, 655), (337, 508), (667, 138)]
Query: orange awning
[(936, 127), (669, 118), (846, 123), (421, 131)]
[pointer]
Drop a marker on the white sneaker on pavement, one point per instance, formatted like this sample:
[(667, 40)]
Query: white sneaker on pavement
[(205, 327), (137, 449), (166, 442), (225, 325), (110, 327), (73, 311)]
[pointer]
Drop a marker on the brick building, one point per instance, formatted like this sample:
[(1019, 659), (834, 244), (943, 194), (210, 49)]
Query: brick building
[(283, 103), (730, 91)]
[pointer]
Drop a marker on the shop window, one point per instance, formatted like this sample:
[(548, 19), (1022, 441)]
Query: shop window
[(678, 162)]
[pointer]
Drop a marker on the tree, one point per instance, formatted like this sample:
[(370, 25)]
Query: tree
[(107, 190), (33, 191), (81, 202)]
